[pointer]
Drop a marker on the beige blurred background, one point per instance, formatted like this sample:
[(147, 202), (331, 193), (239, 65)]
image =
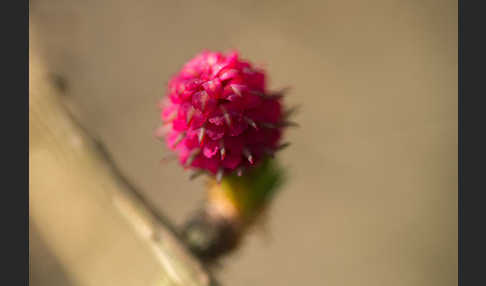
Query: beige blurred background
[(372, 193)]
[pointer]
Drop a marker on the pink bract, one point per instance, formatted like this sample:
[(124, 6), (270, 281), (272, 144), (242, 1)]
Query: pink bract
[(219, 115)]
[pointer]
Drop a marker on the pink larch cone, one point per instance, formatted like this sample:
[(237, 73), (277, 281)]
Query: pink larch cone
[(219, 115)]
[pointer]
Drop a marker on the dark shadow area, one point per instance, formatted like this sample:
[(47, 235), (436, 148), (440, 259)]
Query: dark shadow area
[(44, 268)]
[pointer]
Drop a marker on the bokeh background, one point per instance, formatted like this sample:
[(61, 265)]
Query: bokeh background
[(371, 197)]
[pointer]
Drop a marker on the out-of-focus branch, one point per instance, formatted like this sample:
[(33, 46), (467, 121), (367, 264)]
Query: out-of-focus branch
[(78, 199)]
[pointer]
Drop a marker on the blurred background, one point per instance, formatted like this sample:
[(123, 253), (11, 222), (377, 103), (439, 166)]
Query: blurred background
[(371, 197)]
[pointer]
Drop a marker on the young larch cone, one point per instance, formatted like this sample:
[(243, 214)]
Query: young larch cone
[(219, 116)]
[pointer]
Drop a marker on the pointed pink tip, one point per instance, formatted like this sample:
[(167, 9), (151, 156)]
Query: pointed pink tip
[(202, 136), (239, 173)]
